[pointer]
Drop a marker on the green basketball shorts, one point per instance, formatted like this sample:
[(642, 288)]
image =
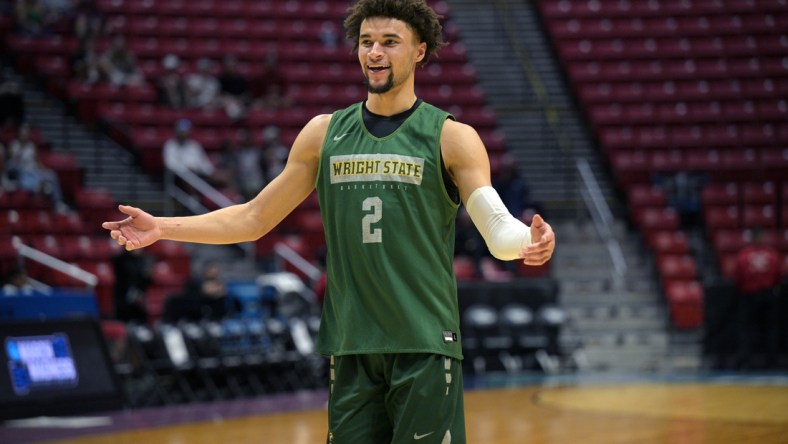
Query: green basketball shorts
[(396, 398)]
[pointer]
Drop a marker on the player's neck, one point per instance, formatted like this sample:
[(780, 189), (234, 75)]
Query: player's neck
[(391, 103)]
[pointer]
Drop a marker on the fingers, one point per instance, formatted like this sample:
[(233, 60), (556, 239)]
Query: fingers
[(129, 210), (541, 250), (125, 209), (537, 257), (122, 240)]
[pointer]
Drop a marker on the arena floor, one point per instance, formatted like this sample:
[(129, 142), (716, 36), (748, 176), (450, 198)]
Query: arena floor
[(589, 409)]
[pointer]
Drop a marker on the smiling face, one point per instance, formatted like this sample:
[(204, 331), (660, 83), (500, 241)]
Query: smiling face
[(388, 51)]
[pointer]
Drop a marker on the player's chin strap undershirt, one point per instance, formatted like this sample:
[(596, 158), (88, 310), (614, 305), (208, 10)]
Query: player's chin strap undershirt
[(382, 126)]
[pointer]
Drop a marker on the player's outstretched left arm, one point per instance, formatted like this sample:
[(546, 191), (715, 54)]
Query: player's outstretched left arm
[(506, 237)]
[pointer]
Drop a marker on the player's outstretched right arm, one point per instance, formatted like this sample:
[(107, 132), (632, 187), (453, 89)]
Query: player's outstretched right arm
[(237, 223)]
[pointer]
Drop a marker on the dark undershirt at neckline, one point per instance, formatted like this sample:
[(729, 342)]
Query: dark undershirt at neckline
[(382, 126)]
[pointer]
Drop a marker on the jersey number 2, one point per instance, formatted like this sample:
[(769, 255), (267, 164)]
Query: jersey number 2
[(371, 235)]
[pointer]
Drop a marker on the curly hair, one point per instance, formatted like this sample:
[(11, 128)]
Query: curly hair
[(422, 19)]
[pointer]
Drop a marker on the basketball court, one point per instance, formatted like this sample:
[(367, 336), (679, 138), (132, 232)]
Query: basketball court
[(604, 409)]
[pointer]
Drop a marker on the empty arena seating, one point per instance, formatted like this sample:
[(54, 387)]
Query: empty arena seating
[(508, 325), (692, 86)]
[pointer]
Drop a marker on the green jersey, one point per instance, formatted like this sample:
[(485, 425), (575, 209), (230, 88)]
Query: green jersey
[(389, 225)]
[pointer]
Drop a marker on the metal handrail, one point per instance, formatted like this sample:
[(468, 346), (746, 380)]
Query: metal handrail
[(291, 256), (550, 111), (602, 217), (90, 279)]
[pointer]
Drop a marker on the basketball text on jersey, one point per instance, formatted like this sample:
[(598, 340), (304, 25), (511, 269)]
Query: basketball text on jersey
[(376, 168)]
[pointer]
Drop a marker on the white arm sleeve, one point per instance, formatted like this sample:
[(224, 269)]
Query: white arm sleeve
[(504, 234)]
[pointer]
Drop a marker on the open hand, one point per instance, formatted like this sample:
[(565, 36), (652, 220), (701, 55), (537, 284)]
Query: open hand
[(542, 243), (136, 231)]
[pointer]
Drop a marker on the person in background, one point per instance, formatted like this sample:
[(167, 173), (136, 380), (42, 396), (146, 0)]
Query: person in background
[(274, 151), (202, 87), (27, 171), (170, 84), (511, 186), (88, 21), (184, 153), (234, 88), (17, 283), (269, 88), (32, 18), (5, 182), (133, 276), (12, 104), (119, 64), (85, 62), (758, 275), (209, 292), (249, 165)]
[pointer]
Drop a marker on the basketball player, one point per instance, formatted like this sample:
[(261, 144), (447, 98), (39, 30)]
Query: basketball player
[(390, 173)]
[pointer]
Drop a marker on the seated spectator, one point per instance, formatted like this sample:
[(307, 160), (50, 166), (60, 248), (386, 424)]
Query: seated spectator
[(32, 18), (12, 104), (17, 283), (683, 194), (184, 153), (202, 87), (57, 10), (26, 171), (120, 64), (85, 63), (209, 291), (269, 88), (511, 186), (171, 85), (5, 184), (248, 164), (275, 152), (234, 88), (133, 275), (468, 243), (88, 22)]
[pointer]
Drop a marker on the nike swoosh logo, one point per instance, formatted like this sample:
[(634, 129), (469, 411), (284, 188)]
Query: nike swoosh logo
[(417, 437), (338, 138)]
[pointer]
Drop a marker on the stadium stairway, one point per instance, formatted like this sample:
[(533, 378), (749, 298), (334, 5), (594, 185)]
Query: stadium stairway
[(621, 326), (514, 57), (106, 165), (624, 327)]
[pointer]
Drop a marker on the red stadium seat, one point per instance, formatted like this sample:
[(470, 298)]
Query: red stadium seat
[(651, 219), (763, 216), (764, 193), (668, 161), (630, 167), (672, 242), (720, 194), (685, 301), (675, 267), (646, 196), (717, 217), (728, 241)]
